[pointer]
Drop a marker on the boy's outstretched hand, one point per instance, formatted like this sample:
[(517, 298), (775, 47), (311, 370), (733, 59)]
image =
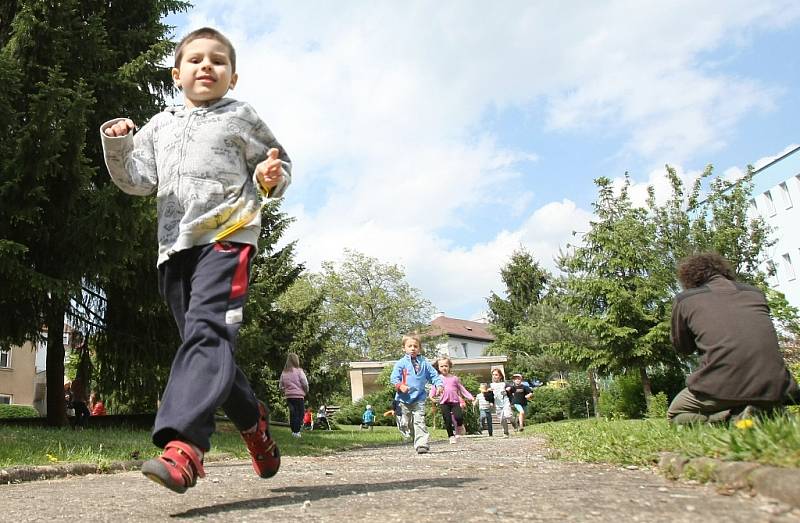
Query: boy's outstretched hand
[(121, 128), (269, 172)]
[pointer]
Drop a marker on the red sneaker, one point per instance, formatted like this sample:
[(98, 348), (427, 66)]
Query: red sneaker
[(177, 468), (262, 448)]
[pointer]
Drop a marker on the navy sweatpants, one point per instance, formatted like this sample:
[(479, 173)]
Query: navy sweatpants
[(205, 288)]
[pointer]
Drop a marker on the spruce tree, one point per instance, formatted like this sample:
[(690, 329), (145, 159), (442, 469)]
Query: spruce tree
[(67, 66), (526, 283)]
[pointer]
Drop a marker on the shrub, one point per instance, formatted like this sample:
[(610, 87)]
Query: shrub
[(658, 406), (669, 380), (624, 398), (471, 414), (549, 404), (579, 395), (17, 411)]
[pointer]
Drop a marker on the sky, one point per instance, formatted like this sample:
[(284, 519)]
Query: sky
[(441, 136)]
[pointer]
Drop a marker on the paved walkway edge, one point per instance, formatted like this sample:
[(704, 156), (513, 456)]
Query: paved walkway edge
[(33, 473), (62, 470), (774, 482)]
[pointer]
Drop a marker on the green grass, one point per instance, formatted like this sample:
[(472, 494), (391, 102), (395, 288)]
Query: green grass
[(45, 446), (638, 442)]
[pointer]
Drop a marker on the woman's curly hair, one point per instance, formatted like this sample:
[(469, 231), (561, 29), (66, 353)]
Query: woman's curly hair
[(695, 270)]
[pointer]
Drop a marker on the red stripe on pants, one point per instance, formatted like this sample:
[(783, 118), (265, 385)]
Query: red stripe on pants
[(239, 283)]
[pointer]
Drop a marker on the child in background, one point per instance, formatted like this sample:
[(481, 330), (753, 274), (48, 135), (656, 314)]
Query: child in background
[(519, 393), (368, 418), (308, 420), (502, 404), (322, 417), (485, 402), (450, 403), (97, 406), (294, 385), (210, 162), (409, 376)]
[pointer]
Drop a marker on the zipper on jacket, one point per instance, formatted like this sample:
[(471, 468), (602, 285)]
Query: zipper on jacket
[(184, 140)]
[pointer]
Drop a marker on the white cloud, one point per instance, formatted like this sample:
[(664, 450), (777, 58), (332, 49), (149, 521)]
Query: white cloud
[(382, 107)]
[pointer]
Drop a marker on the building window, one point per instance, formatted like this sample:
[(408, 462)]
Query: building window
[(753, 207), (787, 263), (464, 346), (787, 198), (5, 358), (770, 203), (5, 399)]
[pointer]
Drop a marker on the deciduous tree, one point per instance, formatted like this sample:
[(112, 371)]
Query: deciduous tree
[(369, 305)]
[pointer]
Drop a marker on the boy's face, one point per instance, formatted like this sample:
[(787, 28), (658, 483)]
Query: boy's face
[(411, 347), (205, 73)]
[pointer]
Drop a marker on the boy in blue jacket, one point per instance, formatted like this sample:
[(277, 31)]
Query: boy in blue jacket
[(409, 376)]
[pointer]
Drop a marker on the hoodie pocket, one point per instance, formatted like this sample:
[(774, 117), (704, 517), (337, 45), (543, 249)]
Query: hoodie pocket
[(202, 198)]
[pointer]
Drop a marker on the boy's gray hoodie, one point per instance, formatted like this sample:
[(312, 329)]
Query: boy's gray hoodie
[(201, 164)]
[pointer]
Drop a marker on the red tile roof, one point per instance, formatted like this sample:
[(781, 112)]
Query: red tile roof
[(461, 328)]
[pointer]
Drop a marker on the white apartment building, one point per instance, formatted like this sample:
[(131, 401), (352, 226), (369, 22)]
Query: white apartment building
[(776, 197)]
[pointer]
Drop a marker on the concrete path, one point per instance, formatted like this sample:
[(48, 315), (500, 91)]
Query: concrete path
[(479, 479)]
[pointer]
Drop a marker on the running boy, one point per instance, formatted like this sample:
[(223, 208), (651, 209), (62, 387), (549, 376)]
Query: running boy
[(210, 162), (409, 376), (520, 393)]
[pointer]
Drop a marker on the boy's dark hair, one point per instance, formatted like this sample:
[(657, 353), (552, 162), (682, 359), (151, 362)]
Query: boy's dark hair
[(205, 32), (695, 270)]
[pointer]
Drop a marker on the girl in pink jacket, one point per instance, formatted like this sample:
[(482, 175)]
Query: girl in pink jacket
[(452, 398)]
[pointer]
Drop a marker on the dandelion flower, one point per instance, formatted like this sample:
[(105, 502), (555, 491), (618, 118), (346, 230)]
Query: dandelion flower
[(744, 424), (52, 458)]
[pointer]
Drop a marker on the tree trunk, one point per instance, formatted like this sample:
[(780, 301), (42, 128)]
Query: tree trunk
[(56, 407), (595, 393), (648, 389)]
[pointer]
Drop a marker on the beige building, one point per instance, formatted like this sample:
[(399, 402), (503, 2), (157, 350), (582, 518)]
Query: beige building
[(23, 375), (18, 374), (464, 342)]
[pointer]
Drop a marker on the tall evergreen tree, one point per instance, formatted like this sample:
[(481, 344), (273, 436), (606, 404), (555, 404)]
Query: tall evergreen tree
[(609, 286), (67, 66), (526, 283)]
